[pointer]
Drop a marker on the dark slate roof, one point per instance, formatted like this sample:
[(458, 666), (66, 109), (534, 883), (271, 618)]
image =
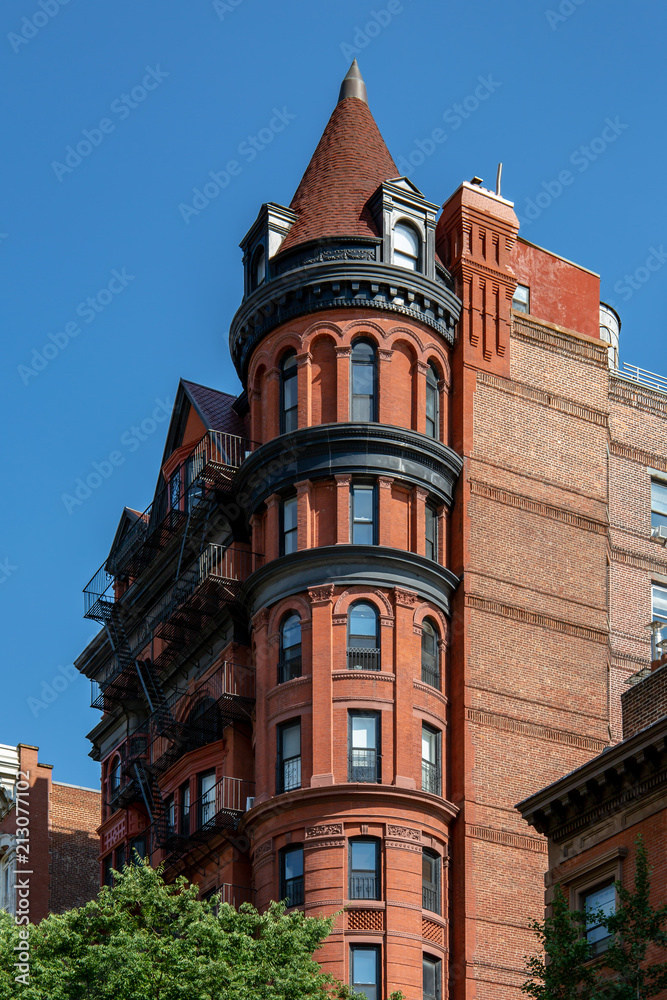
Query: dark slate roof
[(214, 408)]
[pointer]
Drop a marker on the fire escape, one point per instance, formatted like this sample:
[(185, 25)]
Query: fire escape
[(146, 634)]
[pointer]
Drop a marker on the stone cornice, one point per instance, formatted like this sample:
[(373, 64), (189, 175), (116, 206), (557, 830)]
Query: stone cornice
[(524, 843), (340, 283), (343, 449), (560, 341), (640, 561), (641, 397), (633, 454), (607, 784)]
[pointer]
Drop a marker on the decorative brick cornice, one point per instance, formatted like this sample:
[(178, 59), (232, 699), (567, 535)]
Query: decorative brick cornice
[(639, 561), (638, 396), (534, 730), (403, 845), (559, 342), (523, 502), (537, 844), (321, 595), (547, 399), (406, 598), (404, 832), (638, 455), (535, 618), (312, 845), (325, 830), (368, 675)]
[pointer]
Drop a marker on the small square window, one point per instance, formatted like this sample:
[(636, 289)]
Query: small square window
[(521, 299)]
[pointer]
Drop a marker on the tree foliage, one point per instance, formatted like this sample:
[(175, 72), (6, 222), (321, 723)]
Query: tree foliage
[(568, 969), (146, 940)]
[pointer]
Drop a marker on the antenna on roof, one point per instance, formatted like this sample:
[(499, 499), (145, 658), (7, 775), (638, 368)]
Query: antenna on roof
[(499, 177)]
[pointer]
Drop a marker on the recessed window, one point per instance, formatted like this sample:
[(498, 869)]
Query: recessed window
[(207, 788), (432, 978), (365, 970), (291, 875), (521, 299), (430, 654), (598, 903), (363, 742), (432, 402), (289, 393), (364, 868), (363, 641), (138, 845), (170, 811), (288, 513), (659, 613), (362, 515), (258, 268), (658, 504), (431, 770), (406, 247), (431, 866), (121, 854), (363, 388), (431, 531), (289, 665), (288, 769)]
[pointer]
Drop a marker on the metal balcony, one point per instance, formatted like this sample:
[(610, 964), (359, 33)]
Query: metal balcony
[(289, 669), (431, 778), (211, 581), (291, 890), (363, 765), (218, 810), (362, 658), (364, 887), (288, 774), (430, 675)]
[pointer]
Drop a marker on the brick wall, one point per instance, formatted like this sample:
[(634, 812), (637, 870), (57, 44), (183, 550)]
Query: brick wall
[(645, 702), (74, 875)]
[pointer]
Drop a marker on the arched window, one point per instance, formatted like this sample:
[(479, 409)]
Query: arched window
[(289, 665), (432, 402), (406, 247), (289, 393), (204, 723), (430, 654), (363, 641), (364, 380), (258, 268)]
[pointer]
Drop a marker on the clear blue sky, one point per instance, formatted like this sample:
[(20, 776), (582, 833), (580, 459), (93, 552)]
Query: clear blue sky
[(214, 74)]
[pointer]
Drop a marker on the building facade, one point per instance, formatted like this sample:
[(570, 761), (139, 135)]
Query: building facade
[(48, 838), (384, 593)]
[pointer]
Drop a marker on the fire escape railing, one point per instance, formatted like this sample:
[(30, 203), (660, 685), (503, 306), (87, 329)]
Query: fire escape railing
[(218, 810)]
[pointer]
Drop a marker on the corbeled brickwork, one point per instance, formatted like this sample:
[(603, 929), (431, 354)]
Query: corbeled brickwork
[(645, 702), (74, 866)]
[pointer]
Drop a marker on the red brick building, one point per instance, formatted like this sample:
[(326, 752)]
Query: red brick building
[(369, 606), (593, 816), (48, 840)]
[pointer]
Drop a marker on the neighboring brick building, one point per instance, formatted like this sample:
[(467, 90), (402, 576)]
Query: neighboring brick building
[(59, 854), (593, 816), (368, 608)]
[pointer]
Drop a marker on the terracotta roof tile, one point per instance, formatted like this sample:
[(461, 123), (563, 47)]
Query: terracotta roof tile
[(349, 164)]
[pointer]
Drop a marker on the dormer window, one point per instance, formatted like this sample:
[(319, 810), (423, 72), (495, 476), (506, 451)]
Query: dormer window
[(406, 247), (258, 269)]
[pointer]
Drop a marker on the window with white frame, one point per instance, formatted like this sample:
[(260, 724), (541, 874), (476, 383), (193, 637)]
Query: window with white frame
[(521, 299), (598, 904), (658, 504), (406, 247), (659, 609)]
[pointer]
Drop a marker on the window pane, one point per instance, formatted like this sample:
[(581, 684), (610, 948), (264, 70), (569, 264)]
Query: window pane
[(291, 633), (406, 240), (429, 740), (290, 387), (521, 299), (289, 513), (207, 782), (363, 503), (363, 732), (429, 978), (365, 966), (362, 350), (659, 497), (293, 861), (363, 855), (660, 606), (362, 379), (291, 741), (363, 620), (362, 408)]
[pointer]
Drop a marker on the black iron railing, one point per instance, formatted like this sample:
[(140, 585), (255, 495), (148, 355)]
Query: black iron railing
[(430, 899), (364, 887), (288, 774), (431, 675), (431, 778), (360, 658), (291, 890), (289, 669), (363, 765)]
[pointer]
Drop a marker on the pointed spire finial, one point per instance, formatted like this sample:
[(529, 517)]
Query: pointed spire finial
[(353, 85)]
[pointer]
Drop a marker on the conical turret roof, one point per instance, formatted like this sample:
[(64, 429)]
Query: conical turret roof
[(350, 162)]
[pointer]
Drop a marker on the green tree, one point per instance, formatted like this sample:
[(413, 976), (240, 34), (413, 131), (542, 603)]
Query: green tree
[(146, 940), (567, 968)]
